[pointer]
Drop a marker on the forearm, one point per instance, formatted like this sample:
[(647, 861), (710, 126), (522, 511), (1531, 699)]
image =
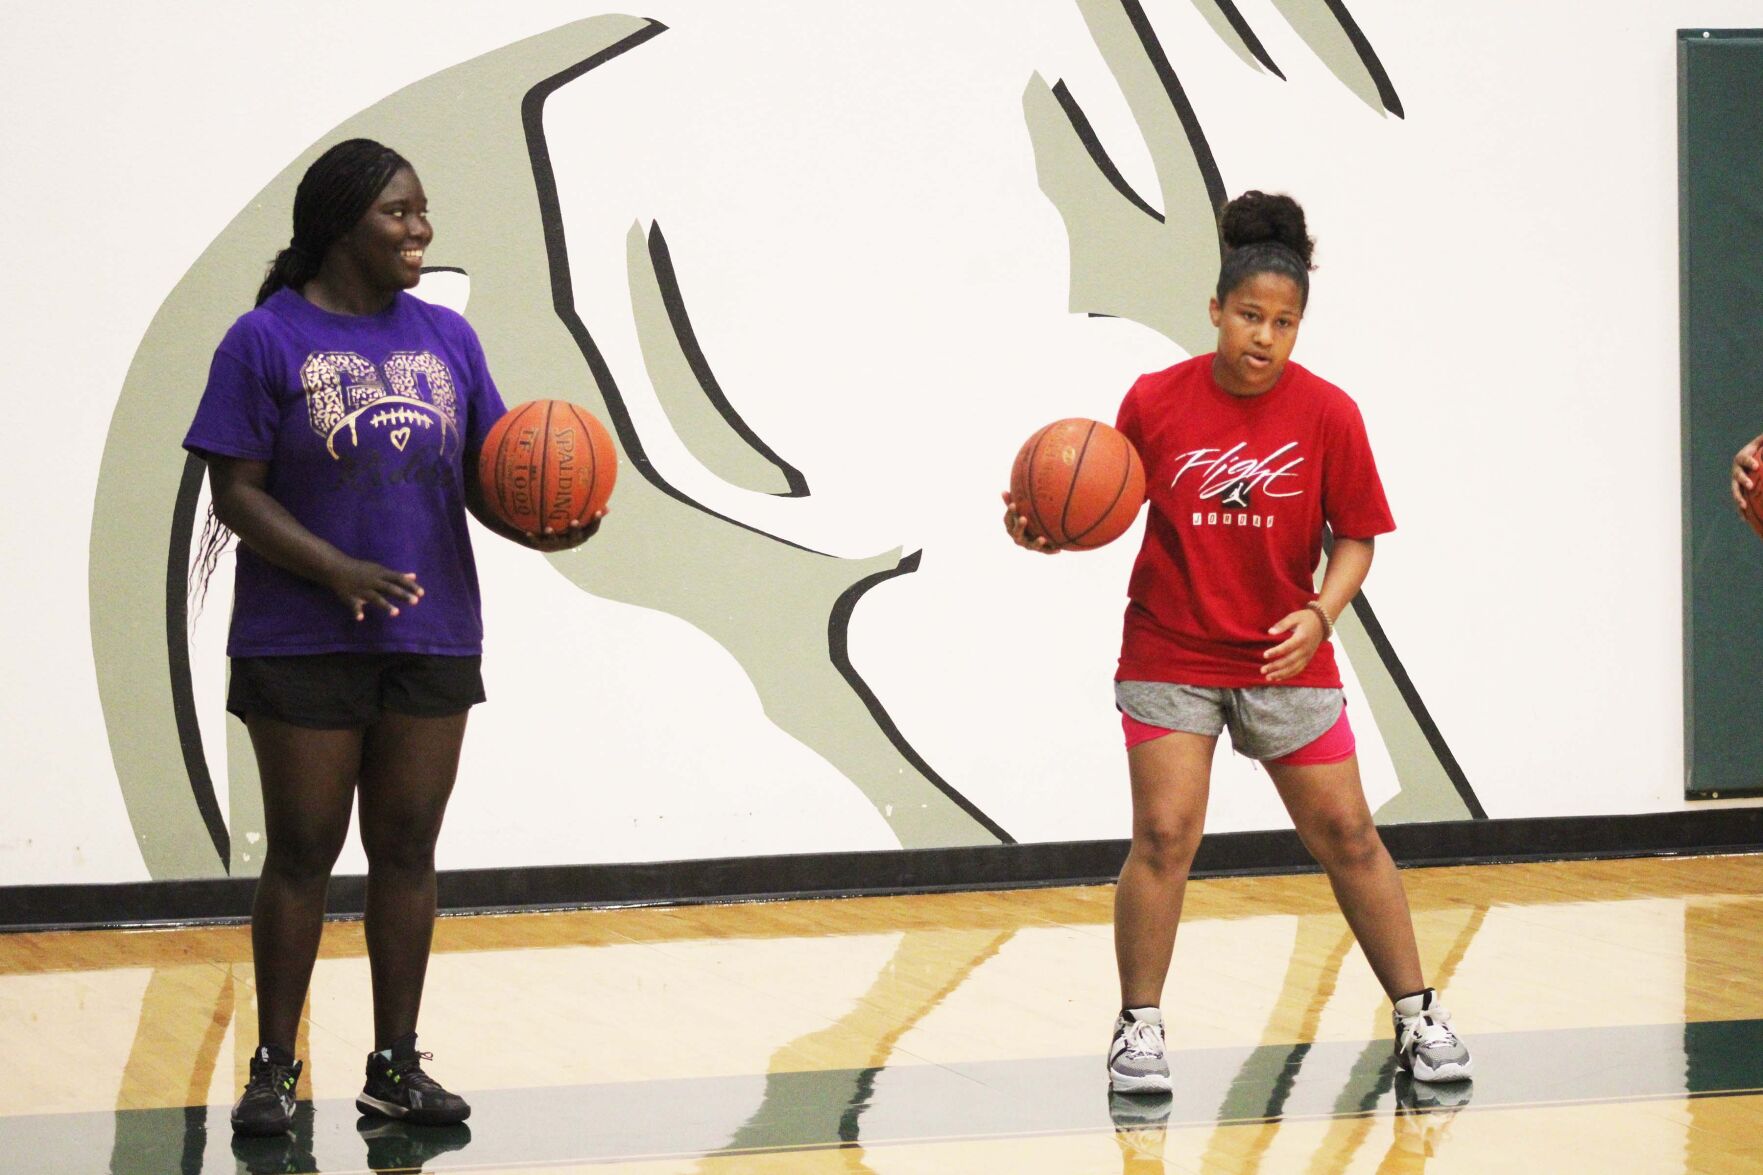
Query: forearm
[(548, 543), (273, 534), (1348, 565)]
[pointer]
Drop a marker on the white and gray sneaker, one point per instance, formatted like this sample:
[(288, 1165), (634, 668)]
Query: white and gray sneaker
[(1136, 1063), (1425, 1044)]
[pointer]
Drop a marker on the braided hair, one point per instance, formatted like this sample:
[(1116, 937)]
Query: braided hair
[(336, 190), (339, 186), (1264, 234)]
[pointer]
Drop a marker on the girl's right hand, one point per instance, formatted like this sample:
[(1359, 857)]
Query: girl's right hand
[(1017, 526), (360, 582), (1744, 469)]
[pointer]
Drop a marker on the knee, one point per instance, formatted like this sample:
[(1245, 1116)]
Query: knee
[(407, 853), (1166, 845), (1346, 842), (303, 860)]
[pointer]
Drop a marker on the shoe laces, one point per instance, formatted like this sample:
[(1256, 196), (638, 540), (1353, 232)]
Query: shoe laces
[(274, 1077), (409, 1072), (1142, 1038), (1431, 1027)]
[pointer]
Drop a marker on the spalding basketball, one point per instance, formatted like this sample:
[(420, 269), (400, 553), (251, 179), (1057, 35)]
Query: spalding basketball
[(547, 463), (1079, 483)]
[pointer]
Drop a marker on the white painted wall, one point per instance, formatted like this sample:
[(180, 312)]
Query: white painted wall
[(1498, 290)]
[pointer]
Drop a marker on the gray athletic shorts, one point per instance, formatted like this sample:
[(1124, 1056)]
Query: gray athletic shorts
[(1266, 721)]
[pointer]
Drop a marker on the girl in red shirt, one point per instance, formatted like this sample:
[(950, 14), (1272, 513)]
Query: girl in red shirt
[(1248, 457)]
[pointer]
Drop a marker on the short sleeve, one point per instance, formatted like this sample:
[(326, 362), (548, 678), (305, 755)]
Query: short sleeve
[(1353, 501), (1127, 420), (483, 406), (238, 415)]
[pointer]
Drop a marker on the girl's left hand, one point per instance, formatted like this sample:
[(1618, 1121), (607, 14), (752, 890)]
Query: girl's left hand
[(578, 532), (1288, 658)]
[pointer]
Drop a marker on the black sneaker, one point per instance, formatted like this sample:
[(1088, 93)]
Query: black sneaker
[(398, 1088), (278, 1154), (267, 1105)]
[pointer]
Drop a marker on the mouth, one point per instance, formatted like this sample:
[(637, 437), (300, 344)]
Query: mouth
[(411, 257), (1258, 361)]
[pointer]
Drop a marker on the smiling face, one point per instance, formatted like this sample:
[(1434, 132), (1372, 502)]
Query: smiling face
[(383, 252), (1257, 328)]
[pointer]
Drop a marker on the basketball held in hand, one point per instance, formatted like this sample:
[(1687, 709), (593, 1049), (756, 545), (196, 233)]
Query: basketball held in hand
[(546, 464), (1079, 483)]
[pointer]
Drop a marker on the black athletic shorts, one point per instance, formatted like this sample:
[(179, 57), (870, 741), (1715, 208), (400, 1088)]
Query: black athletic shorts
[(337, 691)]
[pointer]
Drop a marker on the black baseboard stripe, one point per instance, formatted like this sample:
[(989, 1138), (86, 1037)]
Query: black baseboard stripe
[(980, 867)]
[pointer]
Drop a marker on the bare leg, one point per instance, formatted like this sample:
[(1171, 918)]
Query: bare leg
[(308, 788), (1170, 780), (1327, 805), (407, 775)]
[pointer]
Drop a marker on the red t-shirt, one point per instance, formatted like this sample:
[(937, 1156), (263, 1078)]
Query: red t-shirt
[(1240, 488)]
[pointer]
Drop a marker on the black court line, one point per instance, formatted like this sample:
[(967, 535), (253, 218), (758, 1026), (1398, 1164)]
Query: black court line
[(683, 1118)]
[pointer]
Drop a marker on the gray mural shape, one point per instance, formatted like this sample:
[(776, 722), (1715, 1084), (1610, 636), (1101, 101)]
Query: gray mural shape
[(476, 132), (1174, 254)]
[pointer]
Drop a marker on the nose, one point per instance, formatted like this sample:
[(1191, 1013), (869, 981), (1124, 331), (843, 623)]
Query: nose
[(419, 229)]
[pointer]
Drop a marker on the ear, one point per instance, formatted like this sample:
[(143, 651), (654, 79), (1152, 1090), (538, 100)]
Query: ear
[(1217, 312)]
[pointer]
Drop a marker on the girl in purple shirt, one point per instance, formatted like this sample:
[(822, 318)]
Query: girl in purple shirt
[(341, 425)]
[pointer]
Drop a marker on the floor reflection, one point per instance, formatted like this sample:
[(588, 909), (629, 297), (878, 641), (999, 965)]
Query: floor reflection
[(166, 1051), (926, 968), (1616, 1011)]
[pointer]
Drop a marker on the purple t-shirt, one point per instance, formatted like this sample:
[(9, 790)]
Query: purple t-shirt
[(363, 420)]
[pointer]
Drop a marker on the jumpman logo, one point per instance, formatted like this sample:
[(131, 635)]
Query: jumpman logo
[(1236, 496)]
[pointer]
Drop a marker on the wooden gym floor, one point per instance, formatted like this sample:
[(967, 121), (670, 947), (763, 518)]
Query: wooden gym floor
[(1615, 1009)]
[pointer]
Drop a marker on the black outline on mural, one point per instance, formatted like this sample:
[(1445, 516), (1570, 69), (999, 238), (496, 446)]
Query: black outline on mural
[(838, 651), (1208, 167), (177, 648), (532, 112), (184, 510), (671, 297), (1086, 134), (1178, 98), (1386, 652), (532, 108), (1250, 42), (1386, 89)]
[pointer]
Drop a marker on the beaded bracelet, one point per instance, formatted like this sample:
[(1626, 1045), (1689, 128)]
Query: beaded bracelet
[(1327, 624)]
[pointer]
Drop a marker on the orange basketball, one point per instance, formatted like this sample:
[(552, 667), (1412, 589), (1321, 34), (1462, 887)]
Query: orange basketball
[(547, 463), (1079, 483)]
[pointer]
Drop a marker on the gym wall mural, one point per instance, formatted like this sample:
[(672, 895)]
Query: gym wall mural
[(781, 608)]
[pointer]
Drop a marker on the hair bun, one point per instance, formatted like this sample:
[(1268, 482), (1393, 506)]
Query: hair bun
[(1255, 217)]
